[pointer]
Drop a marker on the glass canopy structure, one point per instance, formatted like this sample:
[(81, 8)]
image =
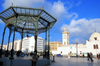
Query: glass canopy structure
[(26, 20)]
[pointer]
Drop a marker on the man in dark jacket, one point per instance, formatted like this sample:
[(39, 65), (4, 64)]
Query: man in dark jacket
[(91, 56), (34, 59), (98, 56), (88, 56)]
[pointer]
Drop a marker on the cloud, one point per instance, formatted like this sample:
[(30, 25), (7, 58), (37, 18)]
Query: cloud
[(72, 15), (78, 40), (8, 3), (57, 9), (1, 21), (82, 28), (78, 3)]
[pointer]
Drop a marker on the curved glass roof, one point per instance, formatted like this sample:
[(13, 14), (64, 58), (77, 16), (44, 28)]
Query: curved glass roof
[(27, 18)]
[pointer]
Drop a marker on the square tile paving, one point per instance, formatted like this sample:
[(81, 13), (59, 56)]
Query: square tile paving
[(64, 61)]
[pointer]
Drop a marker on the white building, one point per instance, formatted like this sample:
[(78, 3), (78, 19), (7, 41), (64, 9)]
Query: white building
[(28, 44), (92, 45)]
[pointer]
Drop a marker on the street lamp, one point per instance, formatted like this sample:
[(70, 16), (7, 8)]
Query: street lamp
[(76, 49)]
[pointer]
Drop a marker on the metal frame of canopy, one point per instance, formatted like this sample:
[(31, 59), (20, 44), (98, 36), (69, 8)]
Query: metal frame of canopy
[(26, 20)]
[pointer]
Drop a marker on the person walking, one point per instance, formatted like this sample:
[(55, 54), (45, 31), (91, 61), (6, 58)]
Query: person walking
[(83, 55), (91, 56), (98, 56), (88, 56), (68, 55), (34, 59)]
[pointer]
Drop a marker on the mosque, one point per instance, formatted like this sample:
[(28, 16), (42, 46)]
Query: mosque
[(92, 45)]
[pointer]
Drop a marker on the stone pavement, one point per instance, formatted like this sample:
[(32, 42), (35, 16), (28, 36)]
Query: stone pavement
[(23, 58), (64, 61)]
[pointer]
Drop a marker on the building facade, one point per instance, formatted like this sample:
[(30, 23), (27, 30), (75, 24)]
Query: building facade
[(54, 45), (4, 47), (28, 44), (16, 47), (92, 45)]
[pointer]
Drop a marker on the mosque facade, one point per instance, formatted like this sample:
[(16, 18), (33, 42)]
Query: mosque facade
[(92, 45)]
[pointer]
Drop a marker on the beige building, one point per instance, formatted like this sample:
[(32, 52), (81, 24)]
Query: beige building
[(54, 45), (16, 47), (4, 47)]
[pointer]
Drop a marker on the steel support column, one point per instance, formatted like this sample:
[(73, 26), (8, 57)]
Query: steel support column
[(2, 42), (8, 41), (12, 50), (46, 38), (35, 44), (36, 31), (48, 42), (45, 44), (21, 41), (36, 34)]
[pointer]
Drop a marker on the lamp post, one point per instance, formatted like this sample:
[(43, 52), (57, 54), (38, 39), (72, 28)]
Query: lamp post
[(76, 49)]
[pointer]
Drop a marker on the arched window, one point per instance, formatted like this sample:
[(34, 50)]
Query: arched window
[(95, 38), (94, 46)]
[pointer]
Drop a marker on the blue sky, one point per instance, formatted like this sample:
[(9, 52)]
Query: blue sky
[(80, 17)]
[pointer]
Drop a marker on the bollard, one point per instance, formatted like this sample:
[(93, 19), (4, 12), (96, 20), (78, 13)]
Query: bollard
[(53, 59)]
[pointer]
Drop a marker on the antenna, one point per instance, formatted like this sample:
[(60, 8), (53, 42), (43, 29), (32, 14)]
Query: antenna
[(95, 31), (12, 4)]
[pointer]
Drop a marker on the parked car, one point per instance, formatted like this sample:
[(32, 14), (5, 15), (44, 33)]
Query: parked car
[(59, 55)]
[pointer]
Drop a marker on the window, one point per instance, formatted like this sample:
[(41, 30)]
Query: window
[(71, 47), (94, 46), (95, 38)]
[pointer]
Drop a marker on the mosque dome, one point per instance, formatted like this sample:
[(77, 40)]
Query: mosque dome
[(95, 36)]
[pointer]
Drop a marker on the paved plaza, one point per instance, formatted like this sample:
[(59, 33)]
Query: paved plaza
[(23, 58), (64, 61)]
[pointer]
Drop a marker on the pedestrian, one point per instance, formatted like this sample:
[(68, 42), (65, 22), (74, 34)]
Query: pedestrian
[(27, 54), (91, 56), (98, 56), (68, 55), (34, 59), (22, 55), (83, 55), (88, 56)]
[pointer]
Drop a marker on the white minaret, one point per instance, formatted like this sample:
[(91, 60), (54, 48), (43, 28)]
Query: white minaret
[(65, 37)]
